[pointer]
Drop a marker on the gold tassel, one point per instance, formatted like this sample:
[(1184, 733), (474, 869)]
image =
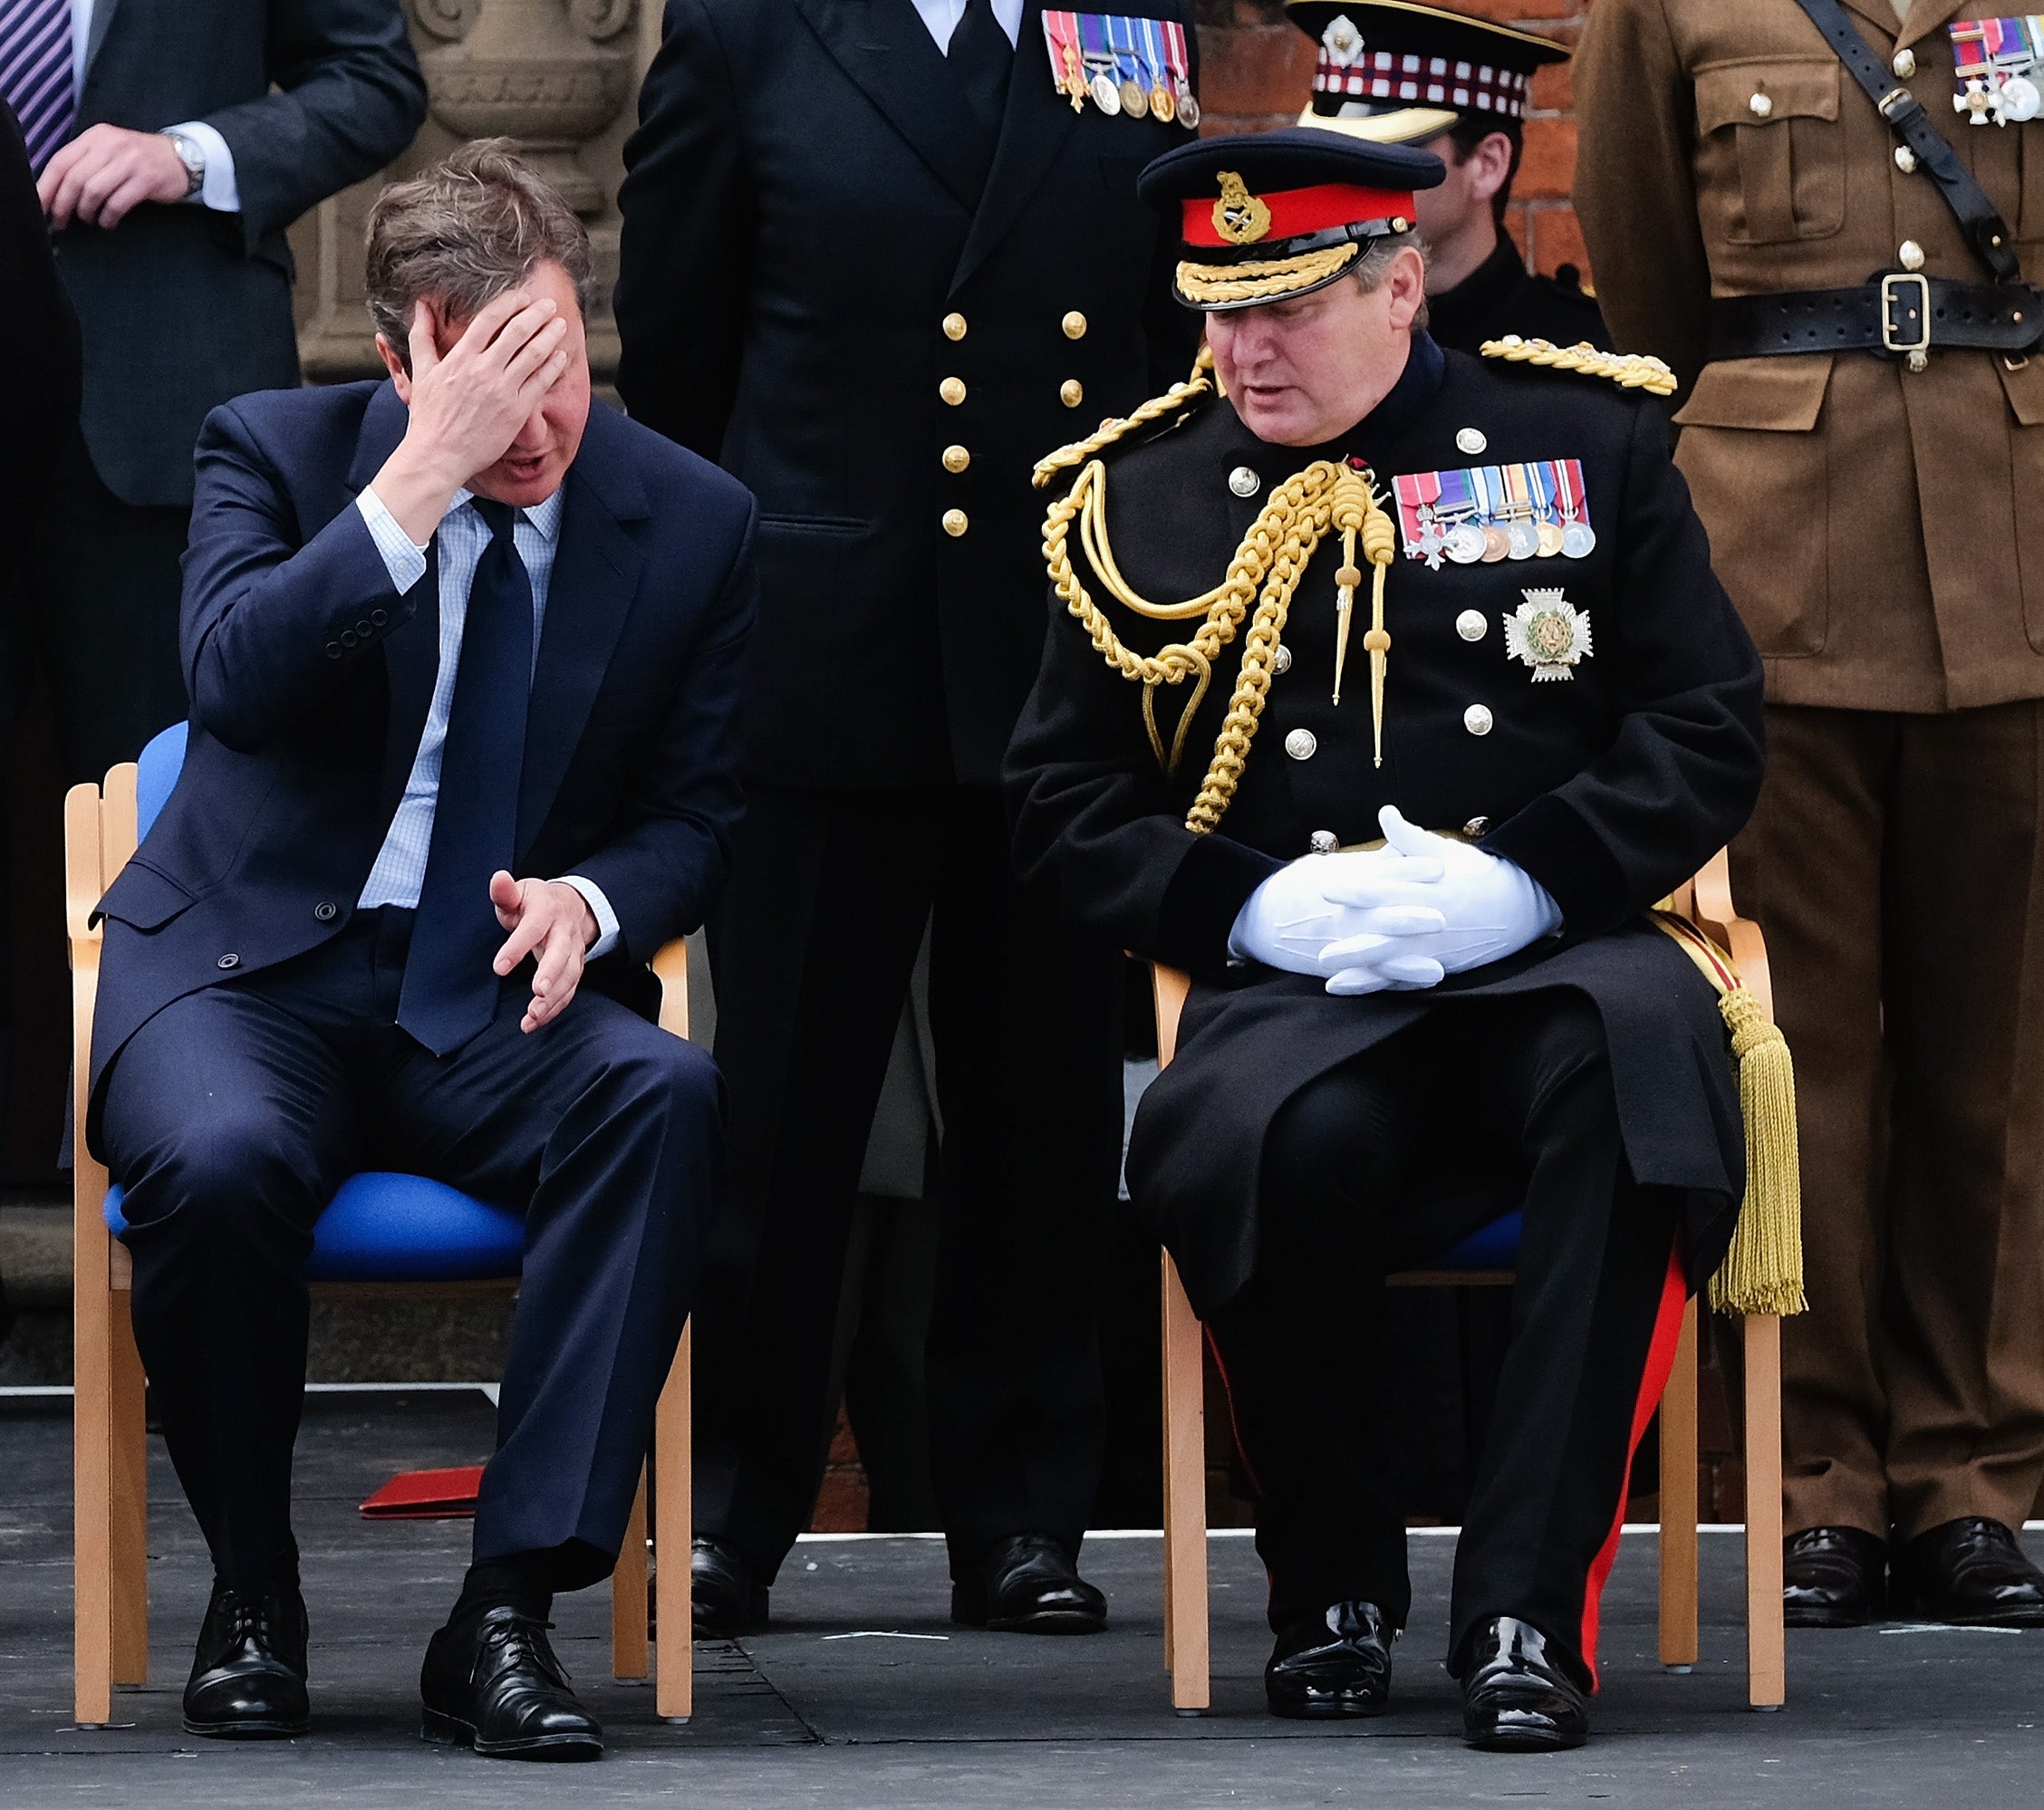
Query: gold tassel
[(1762, 1272)]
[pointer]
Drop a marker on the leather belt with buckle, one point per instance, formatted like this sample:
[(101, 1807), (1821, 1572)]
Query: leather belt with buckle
[(1896, 313)]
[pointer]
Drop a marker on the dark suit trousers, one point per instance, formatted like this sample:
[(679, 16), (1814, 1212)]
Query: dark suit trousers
[(812, 952), (233, 1113), (1381, 1164), (1895, 864)]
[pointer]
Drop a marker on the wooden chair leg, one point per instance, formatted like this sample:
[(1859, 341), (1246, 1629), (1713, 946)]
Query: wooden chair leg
[(92, 1468), (1185, 1501), (1678, 1504), (1766, 1682), (128, 1477), (629, 1650), (674, 1651)]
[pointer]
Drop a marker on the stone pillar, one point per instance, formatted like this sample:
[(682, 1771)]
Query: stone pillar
[(560, 76)]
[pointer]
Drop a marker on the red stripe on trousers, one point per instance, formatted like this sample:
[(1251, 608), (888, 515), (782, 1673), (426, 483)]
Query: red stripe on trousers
[(1660, 1361)]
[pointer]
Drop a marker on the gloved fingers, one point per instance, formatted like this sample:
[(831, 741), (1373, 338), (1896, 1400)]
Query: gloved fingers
[(1407, 838), (1406, 887), (1412, 971), (1383, 930), (1353, 982)]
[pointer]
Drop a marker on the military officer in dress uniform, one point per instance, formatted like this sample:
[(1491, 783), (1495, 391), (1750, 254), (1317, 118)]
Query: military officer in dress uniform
[(1394, 73), (878, 254), (1769, 188), (1349, 586)]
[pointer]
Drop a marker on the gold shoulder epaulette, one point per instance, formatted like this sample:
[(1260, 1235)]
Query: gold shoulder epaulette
[(1194, 387), (1629, 371)]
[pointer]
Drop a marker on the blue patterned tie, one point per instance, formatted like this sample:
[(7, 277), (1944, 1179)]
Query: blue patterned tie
[(35, 72), (449, 989)]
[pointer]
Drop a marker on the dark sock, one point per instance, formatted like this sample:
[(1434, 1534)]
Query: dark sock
[(518, 1581)]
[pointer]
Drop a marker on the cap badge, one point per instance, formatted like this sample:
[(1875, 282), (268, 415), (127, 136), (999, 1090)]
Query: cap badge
[(1342, 42), (1549, 633), (1240, 218)]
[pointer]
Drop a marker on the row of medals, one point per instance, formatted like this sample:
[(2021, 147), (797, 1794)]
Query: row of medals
[(1469, 543), (1164, 102)]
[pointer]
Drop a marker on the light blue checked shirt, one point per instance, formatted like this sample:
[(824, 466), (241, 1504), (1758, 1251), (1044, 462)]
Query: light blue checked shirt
[(463, 537)]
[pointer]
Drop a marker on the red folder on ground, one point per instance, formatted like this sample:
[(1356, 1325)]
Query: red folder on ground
[(426, 1496)]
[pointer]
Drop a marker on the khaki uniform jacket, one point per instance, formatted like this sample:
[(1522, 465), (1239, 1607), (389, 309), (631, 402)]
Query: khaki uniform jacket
[(1881, 531)]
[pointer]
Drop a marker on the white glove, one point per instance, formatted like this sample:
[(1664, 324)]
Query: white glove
[(1490, 907), (1289, 920)]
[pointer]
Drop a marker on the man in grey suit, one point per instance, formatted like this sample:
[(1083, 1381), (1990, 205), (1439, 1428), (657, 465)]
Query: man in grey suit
[(174, 141)]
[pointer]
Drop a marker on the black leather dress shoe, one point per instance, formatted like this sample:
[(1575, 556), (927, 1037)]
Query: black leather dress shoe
[(1515, 1698), (493, 1683), (1338, 1664), (726, 1600), (1028, 1584), (1833, 1577), (1971, 1573), (248, 1675)]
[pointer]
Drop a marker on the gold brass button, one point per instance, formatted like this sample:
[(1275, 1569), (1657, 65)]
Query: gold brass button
[(1074, 325), (1910, 254), (954, 522), (1906, 161), (1904, 65), (1761, 106), (952, 390), (956, 459), (954, 326), (1071, 392)]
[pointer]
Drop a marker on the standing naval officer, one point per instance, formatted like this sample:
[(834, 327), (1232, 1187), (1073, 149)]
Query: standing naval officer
[(878, 255), (1393, 72), (1418, 589), (1828, 222)]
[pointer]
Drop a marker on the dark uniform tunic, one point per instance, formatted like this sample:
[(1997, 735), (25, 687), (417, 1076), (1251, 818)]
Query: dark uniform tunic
[(1609, 788), (1501, 296)]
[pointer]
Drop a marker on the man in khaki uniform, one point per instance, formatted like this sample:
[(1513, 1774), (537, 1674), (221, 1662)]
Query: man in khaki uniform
[(1877, 514)]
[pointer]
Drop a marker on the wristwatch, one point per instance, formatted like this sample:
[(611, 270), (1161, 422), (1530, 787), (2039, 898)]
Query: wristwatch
[(193, 158)]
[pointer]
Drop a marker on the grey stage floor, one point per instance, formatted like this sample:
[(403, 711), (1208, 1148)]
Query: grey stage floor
[(863, 1694)]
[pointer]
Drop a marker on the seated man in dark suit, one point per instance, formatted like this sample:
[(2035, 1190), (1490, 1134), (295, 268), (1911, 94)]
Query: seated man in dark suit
[(463, 655)]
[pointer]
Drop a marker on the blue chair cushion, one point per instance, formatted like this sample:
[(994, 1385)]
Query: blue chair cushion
[(385, 1228), (157, 768), (1493, 1247)]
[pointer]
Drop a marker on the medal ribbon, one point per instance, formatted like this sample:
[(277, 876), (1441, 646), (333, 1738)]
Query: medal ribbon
[(1569, 488), (1413, 493), (1454, 493), (1060, 30), (1519, 484), (1541, 476), (1153, 72), (1174, 47), (1094, 41)]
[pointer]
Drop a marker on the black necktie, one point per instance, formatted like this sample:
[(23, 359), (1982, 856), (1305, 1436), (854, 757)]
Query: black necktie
[(449, 988), (981, 54)]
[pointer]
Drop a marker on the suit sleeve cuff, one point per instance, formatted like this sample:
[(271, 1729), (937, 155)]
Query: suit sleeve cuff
[(1204, 898), (600, 910), (1566, 857), (403, 558), (221, 189)]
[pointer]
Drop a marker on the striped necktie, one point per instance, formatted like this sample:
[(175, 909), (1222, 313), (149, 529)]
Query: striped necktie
[(35, 72)]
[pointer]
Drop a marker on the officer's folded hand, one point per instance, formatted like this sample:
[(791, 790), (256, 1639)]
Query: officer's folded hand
[(1290, 920), (1489, 908)]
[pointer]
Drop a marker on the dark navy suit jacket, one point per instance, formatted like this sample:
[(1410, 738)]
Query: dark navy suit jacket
[(310, 679)]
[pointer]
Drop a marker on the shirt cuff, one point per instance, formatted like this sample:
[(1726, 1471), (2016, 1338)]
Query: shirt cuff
[(600, 910), (220, 190), (403, 558)]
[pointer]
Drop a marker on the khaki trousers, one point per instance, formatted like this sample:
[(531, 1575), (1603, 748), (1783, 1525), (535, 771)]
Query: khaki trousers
[(1894, 865)]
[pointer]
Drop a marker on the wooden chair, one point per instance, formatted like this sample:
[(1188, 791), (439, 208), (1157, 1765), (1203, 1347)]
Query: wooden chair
[(1707, 902), (110, 1451)]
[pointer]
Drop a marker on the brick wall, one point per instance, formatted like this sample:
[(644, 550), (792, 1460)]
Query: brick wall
[(1257, 70)]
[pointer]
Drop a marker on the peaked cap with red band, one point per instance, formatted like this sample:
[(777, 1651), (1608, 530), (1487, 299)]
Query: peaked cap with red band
[(1280, 213)]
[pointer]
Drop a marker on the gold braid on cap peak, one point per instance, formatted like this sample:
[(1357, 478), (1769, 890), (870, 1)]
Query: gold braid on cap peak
[(1217, 285), (1195, 386), (1323, 499), (1629, 371)]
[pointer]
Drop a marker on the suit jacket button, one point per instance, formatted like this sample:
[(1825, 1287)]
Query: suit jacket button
[(326, 910), (333, 650), (363, 630), (349, 637), (379, 617), (228, 961)]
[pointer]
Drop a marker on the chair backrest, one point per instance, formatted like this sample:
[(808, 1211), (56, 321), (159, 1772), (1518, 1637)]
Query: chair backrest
[(156, 773)]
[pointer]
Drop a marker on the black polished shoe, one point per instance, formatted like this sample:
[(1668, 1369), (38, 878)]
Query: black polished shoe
[(1028, 1584), (726, 1600), (248, 1675), (1336, 1664), (1971, 1573), (1516, 1699), (1833, 1577), (493, 1684)]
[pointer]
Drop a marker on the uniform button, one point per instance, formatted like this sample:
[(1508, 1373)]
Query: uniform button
[(956, 459), (1281, 661), (1074, 325), (1471, 625), (379, 617), (952, 390), (365, 630), (1476, 826), (1244, 482), (326, 910), (1761, 106), (349, 637), (228, 961), (1071, 392), (1906, 161), (1904, 65), (1470, 441), (1910, 254), (954, 522), (1477, 719), (954, 326), (333, 650), (1301, 744), (1324, 841)]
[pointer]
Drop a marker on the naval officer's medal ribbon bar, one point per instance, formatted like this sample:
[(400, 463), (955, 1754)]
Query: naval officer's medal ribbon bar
[(1999, 64), (1486, 513), (1125, 65)]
